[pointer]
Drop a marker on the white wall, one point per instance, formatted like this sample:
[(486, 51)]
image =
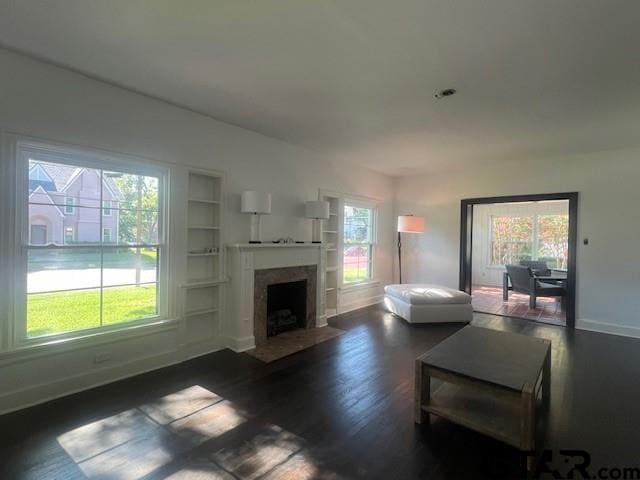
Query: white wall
[(49, 103), (483, 273), (608, 271)]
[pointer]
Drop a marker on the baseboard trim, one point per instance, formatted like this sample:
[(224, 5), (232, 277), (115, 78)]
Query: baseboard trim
[(239, 344), (321, 321), (610, 328), (45, 392)]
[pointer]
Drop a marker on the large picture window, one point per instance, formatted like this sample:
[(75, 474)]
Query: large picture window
[(95, 243), (358, 243), (530, 237)]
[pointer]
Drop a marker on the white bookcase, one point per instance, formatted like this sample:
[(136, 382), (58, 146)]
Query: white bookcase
[(332, 239), (205, 276)]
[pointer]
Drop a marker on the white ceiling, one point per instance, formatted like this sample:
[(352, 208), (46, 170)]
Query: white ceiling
[(356, 78)]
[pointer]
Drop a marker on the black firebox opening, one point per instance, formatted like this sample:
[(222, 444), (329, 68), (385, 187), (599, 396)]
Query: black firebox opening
[(286, 307)]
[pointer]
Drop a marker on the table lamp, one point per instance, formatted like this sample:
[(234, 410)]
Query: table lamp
[(257, 204), (317, 210)]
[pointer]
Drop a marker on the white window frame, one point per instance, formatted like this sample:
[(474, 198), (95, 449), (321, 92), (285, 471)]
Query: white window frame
[(69, 208), (373, 206), (106, 208), (104, 231), (23, 150), (64, 233)]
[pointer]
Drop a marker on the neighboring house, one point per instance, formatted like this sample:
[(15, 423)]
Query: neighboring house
[(65, 205)]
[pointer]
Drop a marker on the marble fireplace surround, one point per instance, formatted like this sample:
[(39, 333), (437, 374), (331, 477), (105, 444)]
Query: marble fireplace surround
[(242, 262), (272, 276)]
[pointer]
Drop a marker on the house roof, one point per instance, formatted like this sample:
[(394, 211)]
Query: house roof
[(60, 176), (50, 200)]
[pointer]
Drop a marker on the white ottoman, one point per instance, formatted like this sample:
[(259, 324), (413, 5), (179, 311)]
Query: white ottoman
[(423, 303)]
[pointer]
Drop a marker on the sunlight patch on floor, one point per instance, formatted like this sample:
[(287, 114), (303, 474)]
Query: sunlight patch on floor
[(141, 440), (159, 440)]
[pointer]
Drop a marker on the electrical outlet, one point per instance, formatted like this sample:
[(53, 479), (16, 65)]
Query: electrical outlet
[(101, 357)]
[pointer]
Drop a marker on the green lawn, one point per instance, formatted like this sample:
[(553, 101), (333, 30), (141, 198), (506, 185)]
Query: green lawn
[(58, 312), (351, 274)]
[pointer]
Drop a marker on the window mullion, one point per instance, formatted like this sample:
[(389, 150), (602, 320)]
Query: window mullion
[(101, 233), (534, 254)]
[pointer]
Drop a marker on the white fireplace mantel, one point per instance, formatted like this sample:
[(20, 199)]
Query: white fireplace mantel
[(243, 259), (253, 246)]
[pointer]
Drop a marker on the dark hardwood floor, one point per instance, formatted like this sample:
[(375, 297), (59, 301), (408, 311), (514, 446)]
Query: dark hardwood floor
[(341, 409)]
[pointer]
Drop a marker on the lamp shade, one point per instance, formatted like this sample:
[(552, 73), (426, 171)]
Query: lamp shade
[(318, 209), (410, 224), (255, 202)]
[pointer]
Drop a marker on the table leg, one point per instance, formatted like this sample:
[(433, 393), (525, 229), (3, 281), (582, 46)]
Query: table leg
[(528, 424), (546, 380), (505, 286), (422, 392)]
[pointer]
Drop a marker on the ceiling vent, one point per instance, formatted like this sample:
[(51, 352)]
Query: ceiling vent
[(445, 93)]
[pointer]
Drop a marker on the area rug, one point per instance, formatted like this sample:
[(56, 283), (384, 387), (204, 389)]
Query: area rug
[(291, 342)]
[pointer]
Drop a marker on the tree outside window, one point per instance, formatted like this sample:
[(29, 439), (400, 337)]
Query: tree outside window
[(534, 237), (511, 239), (553, 240)]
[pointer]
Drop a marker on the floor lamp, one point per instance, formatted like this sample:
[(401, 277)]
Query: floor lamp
[(407, 224)]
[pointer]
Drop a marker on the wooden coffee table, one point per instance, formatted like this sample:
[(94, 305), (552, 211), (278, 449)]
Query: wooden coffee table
[(491, 383)]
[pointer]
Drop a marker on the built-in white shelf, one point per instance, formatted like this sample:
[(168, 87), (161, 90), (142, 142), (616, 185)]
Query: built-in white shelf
[(202, 200), (202, 311), (203, 227), (204, 283), (331, 238), (275, 245)]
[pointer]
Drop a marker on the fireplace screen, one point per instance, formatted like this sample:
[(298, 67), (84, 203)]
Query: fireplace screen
[(286, 307)]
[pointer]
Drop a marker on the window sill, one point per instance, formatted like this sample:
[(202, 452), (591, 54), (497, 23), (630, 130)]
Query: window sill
[(360, 285), (48, 347)]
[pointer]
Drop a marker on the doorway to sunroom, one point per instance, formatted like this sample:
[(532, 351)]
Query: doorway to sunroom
[(520, 259)]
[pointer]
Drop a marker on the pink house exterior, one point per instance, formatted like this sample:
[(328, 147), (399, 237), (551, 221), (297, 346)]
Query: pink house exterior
[(64, 205)]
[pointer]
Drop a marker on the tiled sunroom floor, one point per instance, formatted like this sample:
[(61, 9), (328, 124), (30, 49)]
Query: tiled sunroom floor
[(489, 300)]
